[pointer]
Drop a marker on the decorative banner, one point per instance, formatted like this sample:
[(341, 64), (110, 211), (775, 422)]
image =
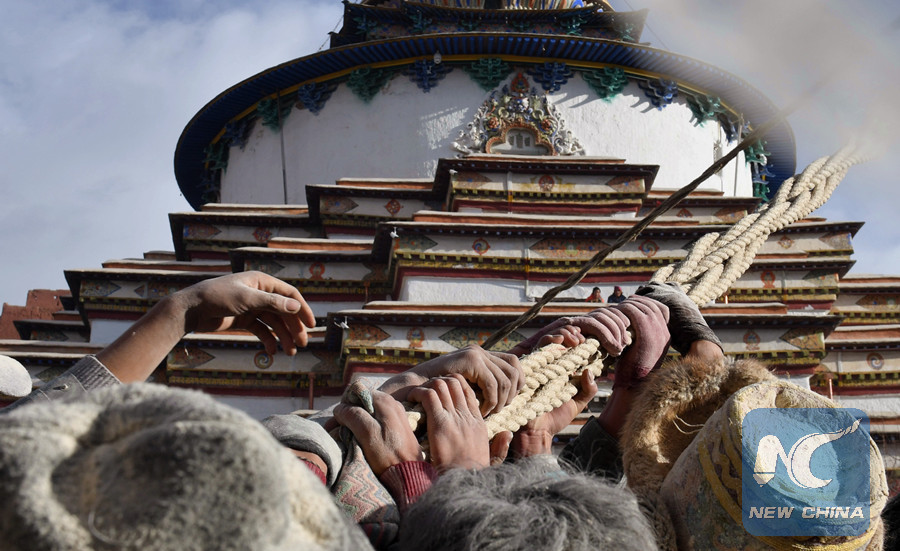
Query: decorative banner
[(805, 339), (461, 337), (481, 246), (365, 334), (262, 360), (751, 340), (554, 247), (415, 336), (188, 357), (262, 235), (875, 360)]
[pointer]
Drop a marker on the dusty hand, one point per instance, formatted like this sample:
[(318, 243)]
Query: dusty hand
[(536, 437), (608, 325), (457, 436), (686, 323), (651, 339), (496, 374), (385, 437), (257, 302)]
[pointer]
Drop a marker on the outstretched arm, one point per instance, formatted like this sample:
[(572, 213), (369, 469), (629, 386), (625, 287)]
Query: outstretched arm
[(257, 302)]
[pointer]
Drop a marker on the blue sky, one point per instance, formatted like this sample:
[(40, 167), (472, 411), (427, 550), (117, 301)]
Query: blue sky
[(93, 97)]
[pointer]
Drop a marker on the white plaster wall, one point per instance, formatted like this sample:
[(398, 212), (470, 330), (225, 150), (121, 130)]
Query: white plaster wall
[(254, 174), (440, 290), (875, 405), (629, 127), (106, 331), (461, 290), (403, 131)]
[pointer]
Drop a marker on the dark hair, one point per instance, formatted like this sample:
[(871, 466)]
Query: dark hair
[(595, 289), (524, 506)]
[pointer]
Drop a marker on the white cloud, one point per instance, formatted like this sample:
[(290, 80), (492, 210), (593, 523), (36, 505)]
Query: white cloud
[(93, 103)]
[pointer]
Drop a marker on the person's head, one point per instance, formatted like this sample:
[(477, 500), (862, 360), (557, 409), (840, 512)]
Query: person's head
[(525, 505), (617, 291), (144, 466), (595, 291)]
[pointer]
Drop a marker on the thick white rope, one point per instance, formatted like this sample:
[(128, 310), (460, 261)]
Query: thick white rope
[(715, 262)]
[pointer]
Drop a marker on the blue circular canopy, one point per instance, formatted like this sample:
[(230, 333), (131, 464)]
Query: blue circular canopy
[(207, 124)]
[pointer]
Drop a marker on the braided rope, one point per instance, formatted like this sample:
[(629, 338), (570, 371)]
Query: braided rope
[(715, 262)]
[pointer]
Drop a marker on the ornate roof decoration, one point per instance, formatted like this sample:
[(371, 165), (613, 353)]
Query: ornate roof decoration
[(426, 73), (607, 82), (604, 65), (520, 108), (551, 75), (660, 92), (365, 82), (365, 21), (314, 95), (488, 72)]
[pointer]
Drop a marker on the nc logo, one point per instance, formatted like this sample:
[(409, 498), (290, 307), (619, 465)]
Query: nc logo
[(797, 460)]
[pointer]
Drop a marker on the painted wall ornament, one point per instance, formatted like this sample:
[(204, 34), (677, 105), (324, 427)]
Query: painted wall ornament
[(805, 339), (393, 207), (481, 246), (704, 108), (273, 112), (365, 82), (262, 360), (649, 248), (488, 72), (875, 360), (262, 265), (188, 357), (607, 82), (237, 132), (216, 155), (517, 120), (262, 235), (415, 336), (210, 186), (660, 92), (314, 95), (551, 75), (751, 340), (426, 73)]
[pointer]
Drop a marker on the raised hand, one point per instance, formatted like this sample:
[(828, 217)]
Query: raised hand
[(649, 320), (257, 302), (254, 301)]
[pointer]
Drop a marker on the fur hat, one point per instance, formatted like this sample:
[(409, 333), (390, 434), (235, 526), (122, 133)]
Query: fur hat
[(15, 382), (148, 467)]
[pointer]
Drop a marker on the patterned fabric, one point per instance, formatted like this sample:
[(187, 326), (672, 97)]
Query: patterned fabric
[(363, 498)]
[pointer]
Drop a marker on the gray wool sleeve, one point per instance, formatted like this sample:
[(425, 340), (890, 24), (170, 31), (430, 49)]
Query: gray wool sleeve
[(88, 374)]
